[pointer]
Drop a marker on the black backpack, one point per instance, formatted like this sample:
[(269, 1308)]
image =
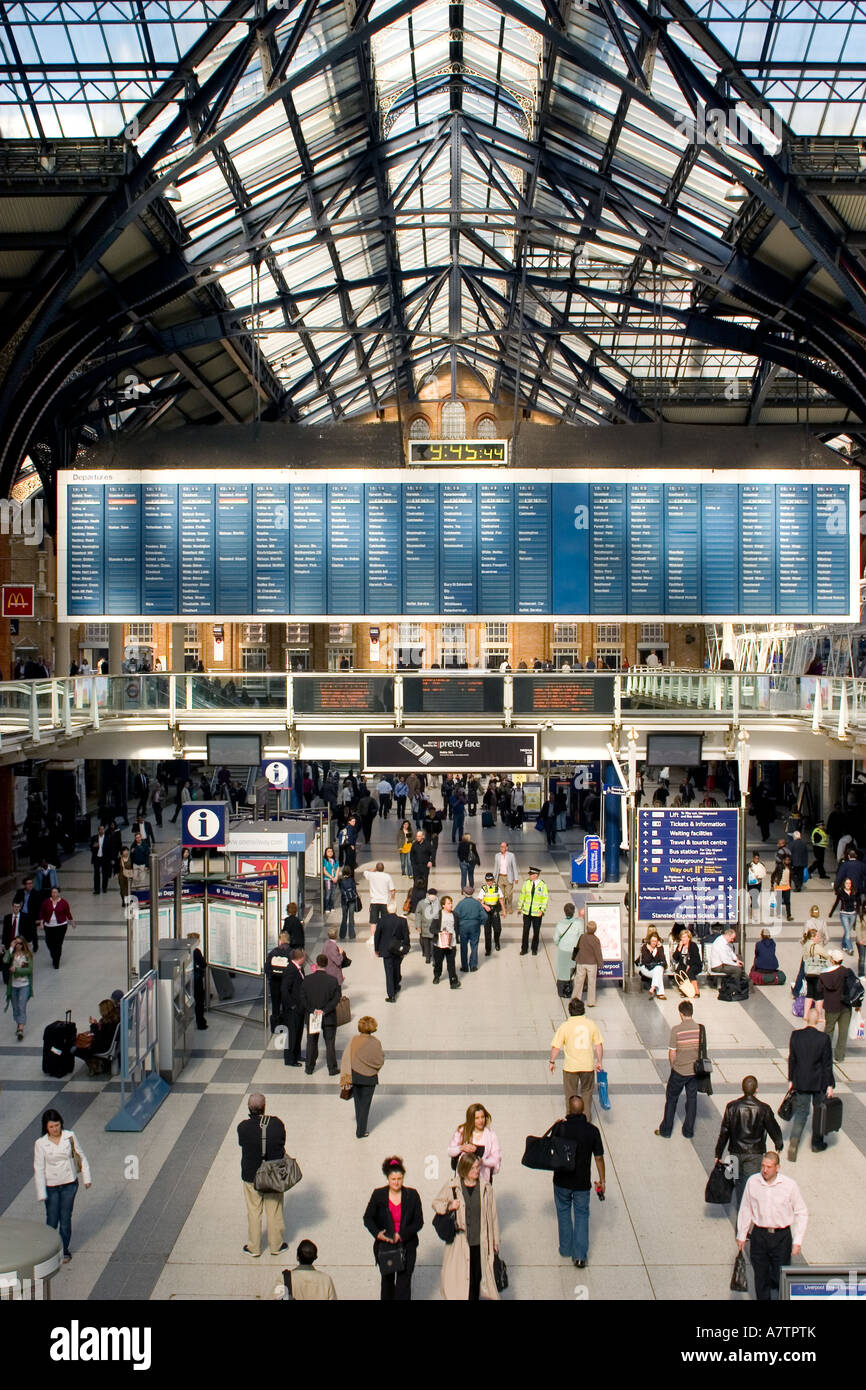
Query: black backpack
[(852, 990), (734, 989)]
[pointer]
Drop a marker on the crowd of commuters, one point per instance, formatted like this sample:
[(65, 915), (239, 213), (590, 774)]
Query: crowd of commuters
[(306, 997)]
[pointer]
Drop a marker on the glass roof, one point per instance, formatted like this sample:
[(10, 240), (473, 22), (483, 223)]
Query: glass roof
[(460, 186)]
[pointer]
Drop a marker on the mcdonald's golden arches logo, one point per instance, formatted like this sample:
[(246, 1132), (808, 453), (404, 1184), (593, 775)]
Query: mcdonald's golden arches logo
[(17, 601)]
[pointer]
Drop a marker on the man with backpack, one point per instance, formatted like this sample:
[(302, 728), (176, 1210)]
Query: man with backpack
[(841, 991)]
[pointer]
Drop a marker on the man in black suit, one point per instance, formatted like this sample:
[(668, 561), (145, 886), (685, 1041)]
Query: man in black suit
[(140, 788), (322, 993), (101, 859), (29, 904), (391, 943), (293, 1008), (810, 1073), (250, 1140), (144, 829), (13, 924), (275, 969)]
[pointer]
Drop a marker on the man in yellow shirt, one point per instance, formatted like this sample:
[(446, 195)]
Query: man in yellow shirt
[(583, 1049)]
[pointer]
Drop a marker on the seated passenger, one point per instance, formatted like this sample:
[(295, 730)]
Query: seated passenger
[(652, 964), (100, 1037), (723, 957), (765, 967)]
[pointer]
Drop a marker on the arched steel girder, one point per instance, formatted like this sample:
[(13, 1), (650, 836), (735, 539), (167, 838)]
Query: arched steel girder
[(774, 188)]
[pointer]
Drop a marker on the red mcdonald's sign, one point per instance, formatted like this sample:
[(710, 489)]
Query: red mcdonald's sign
[(16, 601)]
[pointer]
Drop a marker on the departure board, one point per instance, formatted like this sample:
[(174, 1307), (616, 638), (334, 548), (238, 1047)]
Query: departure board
[(343, 694), (565, 695), (454, 543), (452, 694)]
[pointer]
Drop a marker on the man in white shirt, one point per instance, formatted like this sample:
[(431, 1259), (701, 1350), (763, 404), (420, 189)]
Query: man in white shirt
[(384, 791), (382, 890), (723, 958), (774, 1211), (505, 873)]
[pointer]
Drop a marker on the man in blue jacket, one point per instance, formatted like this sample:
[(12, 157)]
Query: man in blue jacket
[(470, 918)]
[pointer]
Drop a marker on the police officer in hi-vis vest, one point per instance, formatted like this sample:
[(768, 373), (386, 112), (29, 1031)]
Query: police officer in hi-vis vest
[(491, 900)]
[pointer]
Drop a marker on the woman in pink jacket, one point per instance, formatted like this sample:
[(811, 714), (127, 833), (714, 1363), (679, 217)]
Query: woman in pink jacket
[(476, 1137)]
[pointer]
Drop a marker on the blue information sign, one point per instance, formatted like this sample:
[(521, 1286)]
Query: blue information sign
[(587, 868), (687, 864), (280, 772), (248, 545), (204, 824)]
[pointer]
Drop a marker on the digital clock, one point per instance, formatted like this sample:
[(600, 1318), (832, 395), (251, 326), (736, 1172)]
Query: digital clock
[(458, 451)]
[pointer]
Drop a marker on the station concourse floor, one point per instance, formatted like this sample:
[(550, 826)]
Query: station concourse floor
[(165, 1216)]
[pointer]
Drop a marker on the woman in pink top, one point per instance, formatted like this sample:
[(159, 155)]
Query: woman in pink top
[(476, 1134)]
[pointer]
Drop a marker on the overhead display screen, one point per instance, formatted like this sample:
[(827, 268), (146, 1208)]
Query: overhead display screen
[(452, 694), (454, 542), (343, 695), (563, 694)]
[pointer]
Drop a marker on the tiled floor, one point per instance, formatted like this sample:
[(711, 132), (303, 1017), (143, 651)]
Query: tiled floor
[(165, 1216)]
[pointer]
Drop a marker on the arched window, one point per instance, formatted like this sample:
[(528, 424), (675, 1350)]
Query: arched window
[(419, 428), (453, 420), (486, 428)]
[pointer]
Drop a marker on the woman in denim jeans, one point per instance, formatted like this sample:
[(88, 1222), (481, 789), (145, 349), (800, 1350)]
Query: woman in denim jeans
[(57, 1160), (330, 872), (468, 857), (349, 901), (849, 903)]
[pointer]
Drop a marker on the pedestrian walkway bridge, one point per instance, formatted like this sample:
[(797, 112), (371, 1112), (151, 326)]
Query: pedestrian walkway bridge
[(320, 714)]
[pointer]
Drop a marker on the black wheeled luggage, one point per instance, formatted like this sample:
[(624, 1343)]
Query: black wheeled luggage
[(829, 1115), (58, 1047)]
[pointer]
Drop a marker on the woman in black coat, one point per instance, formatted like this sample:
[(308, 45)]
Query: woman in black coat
[(394, 1217), (294, 926), (687, 958)]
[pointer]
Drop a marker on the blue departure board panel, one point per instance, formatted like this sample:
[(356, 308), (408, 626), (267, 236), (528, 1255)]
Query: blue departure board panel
[(85, 548), (421, 522), (122, 541), (346, 548), (496, 547), (307, 548), (494, 543), (271, 548), (533, 548), (197, 510), (234, 534), (683, 548), (384, 548), (687, 865), (608, 580), (457, 547), (646, 548), (758, 548)]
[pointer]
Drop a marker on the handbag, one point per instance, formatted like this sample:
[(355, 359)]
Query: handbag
[(603, 1090), (345, 961), (720, 1188), (445, 1226), (391, 1260), (84, 1040), (798, 1008), (500, 1272), (407, 903), (276, 1174), (344, 1010), (703, 1066), (739, 1281), (548, 1154), (786, 1109), (75, 1154), (685, 986), (346, 1092)]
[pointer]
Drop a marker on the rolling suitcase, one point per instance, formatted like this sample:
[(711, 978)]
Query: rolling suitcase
[(828, 1116), (487, 819), (58, 1047)]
